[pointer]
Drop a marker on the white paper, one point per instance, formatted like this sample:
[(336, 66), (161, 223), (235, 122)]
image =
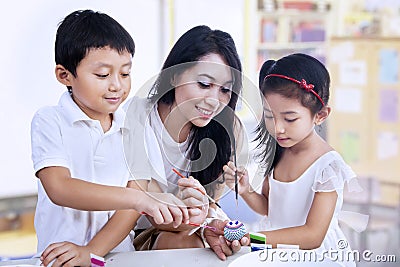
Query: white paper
[(348, 100), (353, 72), (388, 145), (340, 52)]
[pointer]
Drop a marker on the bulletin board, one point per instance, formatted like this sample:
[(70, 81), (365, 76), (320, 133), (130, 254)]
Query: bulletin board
[(364, 126)]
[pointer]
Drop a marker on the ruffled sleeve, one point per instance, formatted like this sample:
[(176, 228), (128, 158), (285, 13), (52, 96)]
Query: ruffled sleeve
[(334, 175)]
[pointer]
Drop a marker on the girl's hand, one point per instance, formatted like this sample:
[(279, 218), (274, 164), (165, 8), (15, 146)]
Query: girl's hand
[(242, 177), (165, 208), (66, 254), (193, 194)]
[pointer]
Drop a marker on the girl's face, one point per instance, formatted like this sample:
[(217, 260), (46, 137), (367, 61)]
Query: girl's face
[(102, 82), (288, 120), (202, 91)]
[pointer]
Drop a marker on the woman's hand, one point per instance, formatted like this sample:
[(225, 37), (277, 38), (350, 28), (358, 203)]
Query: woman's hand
[(193, 194), (242, 177), (222, 247)]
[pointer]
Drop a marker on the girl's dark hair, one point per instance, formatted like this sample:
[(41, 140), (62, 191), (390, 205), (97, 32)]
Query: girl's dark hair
[(189, 49), (298, 66), (83, 30)]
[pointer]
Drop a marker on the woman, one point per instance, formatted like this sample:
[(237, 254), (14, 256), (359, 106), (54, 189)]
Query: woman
[(189, 115)]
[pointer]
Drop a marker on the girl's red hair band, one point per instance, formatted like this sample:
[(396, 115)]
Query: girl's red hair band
[(303, 84)]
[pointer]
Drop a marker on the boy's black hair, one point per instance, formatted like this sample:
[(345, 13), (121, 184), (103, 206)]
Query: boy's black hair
[(190, 47), (83, 30)]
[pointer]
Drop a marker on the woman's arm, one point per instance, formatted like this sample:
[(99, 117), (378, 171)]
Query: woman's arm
[(312, 233)]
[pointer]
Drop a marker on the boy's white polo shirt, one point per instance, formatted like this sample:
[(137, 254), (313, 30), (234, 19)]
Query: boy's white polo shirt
[(64, 136)]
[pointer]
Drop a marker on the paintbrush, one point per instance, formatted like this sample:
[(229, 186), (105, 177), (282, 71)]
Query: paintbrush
[(236, 178)]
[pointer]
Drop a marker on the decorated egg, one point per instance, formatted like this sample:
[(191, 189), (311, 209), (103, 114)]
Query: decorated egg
[(234, 230)]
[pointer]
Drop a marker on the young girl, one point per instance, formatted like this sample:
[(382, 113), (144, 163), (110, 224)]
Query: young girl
[(188, 123), (302, 193)]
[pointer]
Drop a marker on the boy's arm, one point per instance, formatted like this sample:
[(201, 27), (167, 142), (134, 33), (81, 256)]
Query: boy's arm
[(48, 148), (193, 213), (118, 227), (66, 191), (113, 233)]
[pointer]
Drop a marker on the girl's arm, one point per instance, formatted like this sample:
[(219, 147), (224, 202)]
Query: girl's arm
[(257, 202), (312, 233)]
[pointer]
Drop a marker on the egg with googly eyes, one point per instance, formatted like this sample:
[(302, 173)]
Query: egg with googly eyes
[(234, 230)]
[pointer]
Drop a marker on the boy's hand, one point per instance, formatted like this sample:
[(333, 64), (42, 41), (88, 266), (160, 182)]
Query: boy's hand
[(242, 177), (165, 208), (193, 194), (222, 247), (66, 254)]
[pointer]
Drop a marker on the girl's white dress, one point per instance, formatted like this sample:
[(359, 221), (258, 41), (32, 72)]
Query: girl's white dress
[(290, 202)]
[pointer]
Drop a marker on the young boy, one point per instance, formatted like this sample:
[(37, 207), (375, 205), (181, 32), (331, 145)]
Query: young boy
[(77, 148)]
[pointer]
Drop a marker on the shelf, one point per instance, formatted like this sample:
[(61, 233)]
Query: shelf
[(291, 45), (294, 14), (283, 31), (17, 205)]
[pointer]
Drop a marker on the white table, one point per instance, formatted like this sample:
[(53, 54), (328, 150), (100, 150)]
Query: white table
[(192, 257)]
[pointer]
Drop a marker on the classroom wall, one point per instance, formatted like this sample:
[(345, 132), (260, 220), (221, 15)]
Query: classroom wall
[(27, 71), (27, 67)]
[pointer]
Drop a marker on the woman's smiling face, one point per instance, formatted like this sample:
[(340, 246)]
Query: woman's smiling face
[(202, 91)]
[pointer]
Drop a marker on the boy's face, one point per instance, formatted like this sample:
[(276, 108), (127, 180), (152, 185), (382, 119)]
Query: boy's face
[(102, 81)]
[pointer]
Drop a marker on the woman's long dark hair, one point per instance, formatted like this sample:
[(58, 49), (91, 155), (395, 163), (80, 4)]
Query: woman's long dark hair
[(190, 47), (298, 66)]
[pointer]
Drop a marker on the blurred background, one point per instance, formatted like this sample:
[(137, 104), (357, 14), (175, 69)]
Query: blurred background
[(358, 41)]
